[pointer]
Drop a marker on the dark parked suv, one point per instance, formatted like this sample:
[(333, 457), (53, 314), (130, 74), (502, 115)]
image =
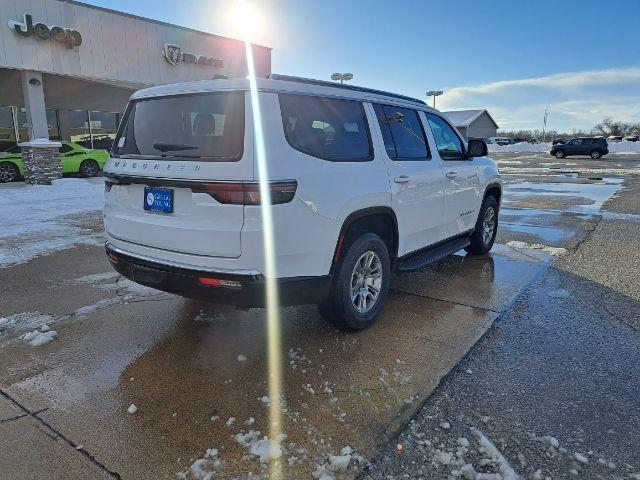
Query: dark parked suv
[(594, 147)]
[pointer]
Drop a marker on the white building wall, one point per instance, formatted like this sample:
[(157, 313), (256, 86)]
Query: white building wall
[(482, 127), (116, 47)]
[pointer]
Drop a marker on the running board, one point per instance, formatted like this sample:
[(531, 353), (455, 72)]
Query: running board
[(432, 254)]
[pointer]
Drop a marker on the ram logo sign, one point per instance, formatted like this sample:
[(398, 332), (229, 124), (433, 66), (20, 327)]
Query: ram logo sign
[(173, 54)]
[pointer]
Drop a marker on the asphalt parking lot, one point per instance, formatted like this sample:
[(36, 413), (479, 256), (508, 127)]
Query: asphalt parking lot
[(540, 337)]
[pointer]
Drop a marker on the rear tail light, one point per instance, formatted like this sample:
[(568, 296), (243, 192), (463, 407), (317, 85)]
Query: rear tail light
[(248, 193), (218, 282)]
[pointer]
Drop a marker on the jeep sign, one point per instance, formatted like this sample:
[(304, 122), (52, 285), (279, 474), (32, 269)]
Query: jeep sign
[(70, 38)]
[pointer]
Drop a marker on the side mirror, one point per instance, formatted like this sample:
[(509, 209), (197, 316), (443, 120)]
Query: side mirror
[(476, 147)]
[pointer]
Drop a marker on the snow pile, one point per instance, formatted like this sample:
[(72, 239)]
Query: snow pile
[(502, 464), (25, 321), (202, 469), (267, 449), (537, 246), (581, 458), (624, 147), (97, 277), (264, 448), (336, 464), (39, 337), (551, 442), (124, 291), (519, 147), (246, 439), (34, 217), (614, 147)]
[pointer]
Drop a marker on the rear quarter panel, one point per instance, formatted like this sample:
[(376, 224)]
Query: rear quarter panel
[(307, 229)]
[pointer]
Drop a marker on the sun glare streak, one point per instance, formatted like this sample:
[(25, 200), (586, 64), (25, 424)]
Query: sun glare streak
[(274, 344)]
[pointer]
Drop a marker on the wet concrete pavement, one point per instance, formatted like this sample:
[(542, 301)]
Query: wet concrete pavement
[(183, 363), (177, 361), (553, 384)]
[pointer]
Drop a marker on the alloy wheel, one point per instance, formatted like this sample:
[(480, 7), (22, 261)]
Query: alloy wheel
[(366, 281), (488, 225), (90, 168), (7, 172)]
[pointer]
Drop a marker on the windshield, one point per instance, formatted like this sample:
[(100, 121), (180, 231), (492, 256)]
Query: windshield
[(203, 126)]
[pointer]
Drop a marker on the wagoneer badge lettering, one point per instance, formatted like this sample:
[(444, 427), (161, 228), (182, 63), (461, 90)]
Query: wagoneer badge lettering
[(154, 166), (70, 38)]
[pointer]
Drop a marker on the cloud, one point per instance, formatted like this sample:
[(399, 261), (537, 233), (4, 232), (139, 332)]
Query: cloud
[(575, 99)]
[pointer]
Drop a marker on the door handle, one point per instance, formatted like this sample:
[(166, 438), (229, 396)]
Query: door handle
[(451, 174), (402, 179)]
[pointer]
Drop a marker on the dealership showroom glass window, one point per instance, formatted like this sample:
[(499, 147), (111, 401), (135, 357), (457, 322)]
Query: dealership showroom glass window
[(88, 128)]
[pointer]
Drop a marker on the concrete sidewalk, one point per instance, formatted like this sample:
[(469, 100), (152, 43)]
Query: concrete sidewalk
[(553, 385)]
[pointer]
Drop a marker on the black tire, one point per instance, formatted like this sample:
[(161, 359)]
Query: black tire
[(8, 172), (482, 239), (339, 309), (89, 168), (560, 154), (595, 154)]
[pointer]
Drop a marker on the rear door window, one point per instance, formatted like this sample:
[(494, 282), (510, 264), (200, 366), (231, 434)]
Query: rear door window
[(402, 133), (327, 128), (204, 126)]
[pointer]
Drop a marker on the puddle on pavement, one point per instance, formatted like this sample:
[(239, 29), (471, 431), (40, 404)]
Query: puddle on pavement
[(546, 235), (341, 389), (594, 193)]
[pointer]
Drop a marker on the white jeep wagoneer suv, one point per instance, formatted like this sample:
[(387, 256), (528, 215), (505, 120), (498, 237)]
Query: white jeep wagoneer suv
[(362, 183)]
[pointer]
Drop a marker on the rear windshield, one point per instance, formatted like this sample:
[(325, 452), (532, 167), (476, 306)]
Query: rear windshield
[(203, 126)]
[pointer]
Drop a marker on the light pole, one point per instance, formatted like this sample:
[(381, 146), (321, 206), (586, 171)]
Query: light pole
[(544, 125), (434, 94), (343, 77)]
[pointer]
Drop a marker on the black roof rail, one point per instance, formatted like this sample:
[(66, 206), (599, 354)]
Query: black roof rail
[(325, 83)]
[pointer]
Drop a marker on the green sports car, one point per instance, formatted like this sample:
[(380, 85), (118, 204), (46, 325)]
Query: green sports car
[(75, 159)]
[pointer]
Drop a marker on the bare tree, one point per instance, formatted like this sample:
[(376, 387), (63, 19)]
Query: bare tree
[(608, 127)]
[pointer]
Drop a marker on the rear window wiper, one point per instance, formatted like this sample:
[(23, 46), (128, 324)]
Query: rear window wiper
[(172, 147)]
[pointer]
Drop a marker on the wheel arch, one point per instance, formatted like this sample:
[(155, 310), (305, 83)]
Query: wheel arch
[(381, 220), (18, 164), (493, 189)]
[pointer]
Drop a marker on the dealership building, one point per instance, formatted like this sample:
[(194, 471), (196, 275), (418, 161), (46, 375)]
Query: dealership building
[(68, 68)]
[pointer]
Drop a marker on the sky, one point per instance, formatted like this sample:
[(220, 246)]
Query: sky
[(579, 58)]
